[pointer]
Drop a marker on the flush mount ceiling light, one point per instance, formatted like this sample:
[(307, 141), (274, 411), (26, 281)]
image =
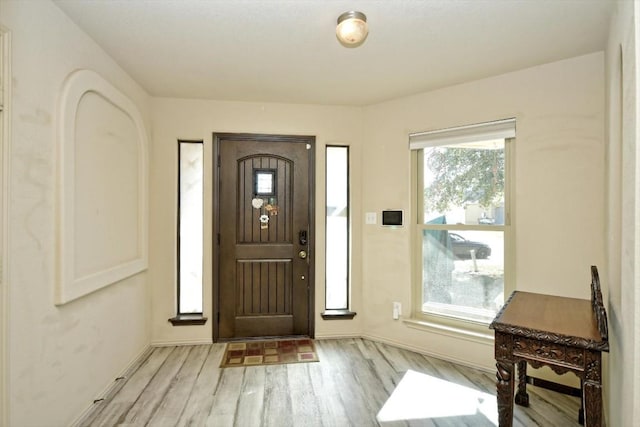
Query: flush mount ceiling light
[(352, 28)]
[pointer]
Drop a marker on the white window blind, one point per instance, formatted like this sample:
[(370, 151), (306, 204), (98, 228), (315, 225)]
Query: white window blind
[(500, 129)]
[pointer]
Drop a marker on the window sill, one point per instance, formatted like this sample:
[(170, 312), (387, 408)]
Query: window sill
[(338, 315), (188, 319), (463, 330)]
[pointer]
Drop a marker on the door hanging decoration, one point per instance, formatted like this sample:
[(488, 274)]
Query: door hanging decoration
[(264, 200)]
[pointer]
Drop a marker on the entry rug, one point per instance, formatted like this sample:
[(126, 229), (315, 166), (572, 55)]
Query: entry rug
[(273, 352)]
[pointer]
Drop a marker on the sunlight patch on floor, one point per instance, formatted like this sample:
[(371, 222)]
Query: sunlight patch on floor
[(421, 396)]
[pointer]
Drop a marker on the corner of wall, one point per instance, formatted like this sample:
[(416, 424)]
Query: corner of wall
[(622, 382), (5, 133)]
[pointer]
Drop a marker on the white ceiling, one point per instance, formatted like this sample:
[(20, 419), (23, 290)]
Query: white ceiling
[(286, 50)]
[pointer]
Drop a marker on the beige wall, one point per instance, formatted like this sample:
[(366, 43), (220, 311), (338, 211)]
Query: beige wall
[(559, 178), (623, 213), (175, 119), (60, 358), (559, 166), (80, 347)]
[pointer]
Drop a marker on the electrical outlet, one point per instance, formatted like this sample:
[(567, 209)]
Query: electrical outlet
[(397, 310)]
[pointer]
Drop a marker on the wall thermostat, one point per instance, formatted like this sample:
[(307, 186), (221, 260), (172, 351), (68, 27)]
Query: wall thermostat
[(393, 218)]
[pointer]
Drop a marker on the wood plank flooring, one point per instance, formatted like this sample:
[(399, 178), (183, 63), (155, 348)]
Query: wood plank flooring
[(184, 386)]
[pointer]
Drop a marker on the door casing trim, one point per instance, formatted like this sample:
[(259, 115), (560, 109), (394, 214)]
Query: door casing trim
[(263, 138)]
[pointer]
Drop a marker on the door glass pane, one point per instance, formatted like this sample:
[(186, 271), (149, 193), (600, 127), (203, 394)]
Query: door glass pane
[(190, 227), (337, 228), (264, 182)]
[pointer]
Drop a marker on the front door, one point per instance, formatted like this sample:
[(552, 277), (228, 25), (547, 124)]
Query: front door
[(264, 268)]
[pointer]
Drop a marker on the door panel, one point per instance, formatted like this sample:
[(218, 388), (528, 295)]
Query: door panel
[(279, 226), (264, 286), (252, 277)]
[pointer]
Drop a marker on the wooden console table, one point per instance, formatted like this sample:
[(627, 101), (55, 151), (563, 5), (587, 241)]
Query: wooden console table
[(566, 334)]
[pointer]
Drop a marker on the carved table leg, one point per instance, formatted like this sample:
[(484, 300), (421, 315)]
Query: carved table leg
[(593, 405), (581, 410), (522, 397), (505, 386), (592, 390)]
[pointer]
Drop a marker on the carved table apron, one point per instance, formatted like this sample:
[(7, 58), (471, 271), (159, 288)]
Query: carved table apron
[(558, 332)]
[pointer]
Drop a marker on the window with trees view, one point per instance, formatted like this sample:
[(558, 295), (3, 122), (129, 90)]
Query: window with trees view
[(463, 219)]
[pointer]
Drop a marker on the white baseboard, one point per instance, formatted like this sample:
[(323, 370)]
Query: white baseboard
[(131, 366), (430, 353), (398, 344), (171, 343), (336, 336)]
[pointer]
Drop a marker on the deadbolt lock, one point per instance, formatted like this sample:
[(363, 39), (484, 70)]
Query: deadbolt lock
[(302, 254)]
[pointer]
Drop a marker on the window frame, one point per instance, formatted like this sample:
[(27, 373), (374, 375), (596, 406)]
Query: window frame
[(344, 312), (187, 318), (445, 323)]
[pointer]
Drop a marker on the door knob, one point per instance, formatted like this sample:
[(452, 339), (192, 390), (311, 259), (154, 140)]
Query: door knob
[(302, 254)]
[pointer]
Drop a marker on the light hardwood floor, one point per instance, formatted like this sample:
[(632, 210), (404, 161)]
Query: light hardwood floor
[(184, 386)]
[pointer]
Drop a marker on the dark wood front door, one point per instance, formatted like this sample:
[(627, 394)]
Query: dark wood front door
[(264, 224)]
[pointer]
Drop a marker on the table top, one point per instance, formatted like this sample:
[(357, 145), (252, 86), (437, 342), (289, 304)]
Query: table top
[(551, 318)]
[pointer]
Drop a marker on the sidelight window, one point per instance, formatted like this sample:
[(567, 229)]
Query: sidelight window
[(337, 229), (190, 226)]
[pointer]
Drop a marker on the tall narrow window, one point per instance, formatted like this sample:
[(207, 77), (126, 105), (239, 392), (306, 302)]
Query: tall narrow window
[(463, 220), (190, 226), (337, 228)]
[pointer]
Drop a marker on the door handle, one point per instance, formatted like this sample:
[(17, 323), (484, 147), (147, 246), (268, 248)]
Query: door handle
[(302, 254)]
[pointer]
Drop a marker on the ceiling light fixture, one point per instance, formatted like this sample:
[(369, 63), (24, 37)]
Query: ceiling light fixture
[(352, 28)]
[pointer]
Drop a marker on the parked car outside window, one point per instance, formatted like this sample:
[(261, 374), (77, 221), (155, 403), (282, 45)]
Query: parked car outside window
[(462, 247)]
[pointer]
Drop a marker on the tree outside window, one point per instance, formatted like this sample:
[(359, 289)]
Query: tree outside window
[(462, 231)]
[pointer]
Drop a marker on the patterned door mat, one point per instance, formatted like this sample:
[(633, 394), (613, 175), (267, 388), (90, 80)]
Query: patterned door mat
[(273, 352)]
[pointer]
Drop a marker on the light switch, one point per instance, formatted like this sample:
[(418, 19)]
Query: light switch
[(370, 218)]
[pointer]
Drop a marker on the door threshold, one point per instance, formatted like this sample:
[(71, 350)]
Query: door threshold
[(265, 338)]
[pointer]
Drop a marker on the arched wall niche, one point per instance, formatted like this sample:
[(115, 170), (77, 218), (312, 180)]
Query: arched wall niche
[(102, 187)]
